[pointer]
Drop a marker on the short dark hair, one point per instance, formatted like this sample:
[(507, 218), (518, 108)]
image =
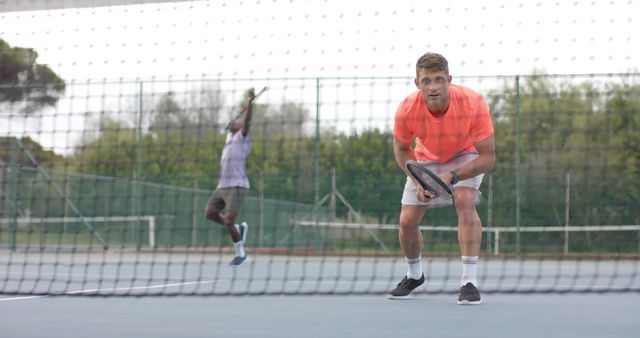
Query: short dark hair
[(434, 62)]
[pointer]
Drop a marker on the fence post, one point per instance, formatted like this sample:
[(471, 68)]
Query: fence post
[(517, 162), (489, 213), (317, 160), (567, 193), (13, 191), (137, 200), (261, 207), (194, 216), (317, 166)]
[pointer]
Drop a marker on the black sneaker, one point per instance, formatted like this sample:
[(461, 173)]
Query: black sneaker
[(469, 294), (404, 288), (238, 261)]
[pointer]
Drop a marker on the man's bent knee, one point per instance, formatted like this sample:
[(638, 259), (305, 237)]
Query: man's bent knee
[(230, 217), (211, 212), (465, 199)]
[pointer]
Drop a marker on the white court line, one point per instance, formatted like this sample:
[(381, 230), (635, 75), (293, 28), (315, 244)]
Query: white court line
[(43, 276), (117, 289)]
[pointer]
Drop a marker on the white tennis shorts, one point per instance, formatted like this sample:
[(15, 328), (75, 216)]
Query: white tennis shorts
[(409, 194)]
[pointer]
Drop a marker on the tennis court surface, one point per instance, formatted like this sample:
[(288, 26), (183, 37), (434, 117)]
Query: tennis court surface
[(116, 119)]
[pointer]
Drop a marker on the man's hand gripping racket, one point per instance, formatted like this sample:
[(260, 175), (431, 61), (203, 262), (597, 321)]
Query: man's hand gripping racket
[(251, 96), (429, 181)]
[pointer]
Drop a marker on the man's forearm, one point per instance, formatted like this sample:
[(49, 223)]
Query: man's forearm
[(402, 154), (249, 113), (483, 163), (479, 165)]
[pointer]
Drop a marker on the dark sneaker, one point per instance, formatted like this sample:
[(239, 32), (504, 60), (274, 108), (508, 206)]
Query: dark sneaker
[(469, 294), (238, 261), (404, 288), (244, 227)]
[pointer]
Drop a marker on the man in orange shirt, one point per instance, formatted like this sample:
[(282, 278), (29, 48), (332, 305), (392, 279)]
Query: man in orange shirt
[(454, 137)]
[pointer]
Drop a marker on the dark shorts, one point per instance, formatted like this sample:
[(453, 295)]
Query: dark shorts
[(230, 198)]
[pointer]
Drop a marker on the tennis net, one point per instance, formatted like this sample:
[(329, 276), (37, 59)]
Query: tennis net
[(114, 117), (313, 258)]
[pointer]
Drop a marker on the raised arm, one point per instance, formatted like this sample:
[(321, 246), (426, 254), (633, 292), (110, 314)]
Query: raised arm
[(248, 114)]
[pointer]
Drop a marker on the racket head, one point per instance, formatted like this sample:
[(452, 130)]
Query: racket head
[(244, 109), (260, 93), (429, 180)]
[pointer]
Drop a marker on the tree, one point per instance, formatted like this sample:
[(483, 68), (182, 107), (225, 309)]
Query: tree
[(283, 151), (24, 81), (587, 130), (44, 158), (113, 153)]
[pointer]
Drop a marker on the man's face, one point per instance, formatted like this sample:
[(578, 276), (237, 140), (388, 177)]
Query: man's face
[(235, 125), (434, 86)]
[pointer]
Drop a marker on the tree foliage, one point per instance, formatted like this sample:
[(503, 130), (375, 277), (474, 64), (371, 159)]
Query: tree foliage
[(584, 134), (44, 158), (24, 81), (586, 130)]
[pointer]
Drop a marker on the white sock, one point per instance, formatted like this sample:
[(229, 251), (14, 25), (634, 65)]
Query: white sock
[(469, 269), (239, 245), (415, 267)]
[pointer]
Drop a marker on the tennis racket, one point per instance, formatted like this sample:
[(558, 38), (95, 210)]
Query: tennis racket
[(260, 93), (244, 109), (429, 180)]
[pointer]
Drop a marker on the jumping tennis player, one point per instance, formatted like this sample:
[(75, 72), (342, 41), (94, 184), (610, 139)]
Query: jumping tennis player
[(453, 133), (233, 185)]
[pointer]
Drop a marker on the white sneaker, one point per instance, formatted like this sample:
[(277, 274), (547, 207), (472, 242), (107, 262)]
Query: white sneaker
[(244, 227)]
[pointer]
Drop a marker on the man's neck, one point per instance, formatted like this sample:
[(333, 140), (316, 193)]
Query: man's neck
[(437, 113)]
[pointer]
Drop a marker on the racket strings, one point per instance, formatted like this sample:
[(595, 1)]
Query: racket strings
[(429, 180)]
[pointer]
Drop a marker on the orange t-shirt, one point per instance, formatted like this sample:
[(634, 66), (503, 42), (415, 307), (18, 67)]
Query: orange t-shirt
[(440, 138)]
